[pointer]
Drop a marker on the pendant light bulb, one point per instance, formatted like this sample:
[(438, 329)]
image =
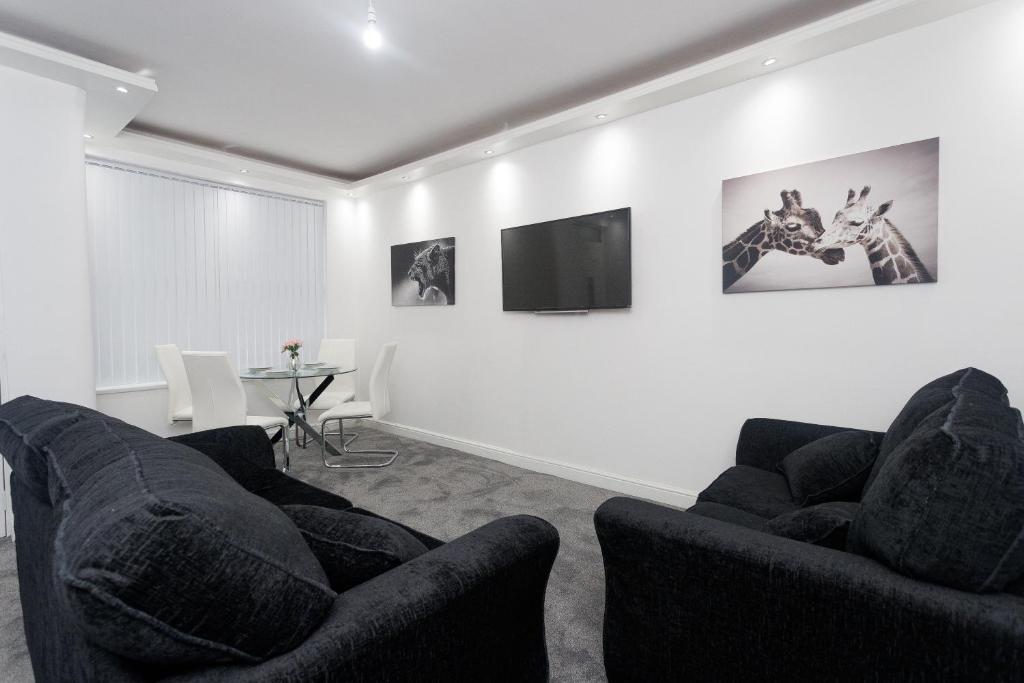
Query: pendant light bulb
[(371, 36)]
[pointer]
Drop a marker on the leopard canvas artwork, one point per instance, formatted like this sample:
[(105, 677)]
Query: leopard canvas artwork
[(423, 273)]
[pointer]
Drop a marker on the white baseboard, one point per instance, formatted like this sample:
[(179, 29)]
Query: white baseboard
[(583, 475)]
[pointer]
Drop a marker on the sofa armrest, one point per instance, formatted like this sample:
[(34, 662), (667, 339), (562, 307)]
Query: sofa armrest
[(238, 450), (764, 442), (687, 593), (472, 610)]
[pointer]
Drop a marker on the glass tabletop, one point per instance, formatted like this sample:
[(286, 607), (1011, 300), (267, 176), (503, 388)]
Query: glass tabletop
[(284, 373)]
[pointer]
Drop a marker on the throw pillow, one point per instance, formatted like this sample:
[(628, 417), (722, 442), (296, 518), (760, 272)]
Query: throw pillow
[(948, 506), (937, 395), (826, 524), (833, 468), (353, 548)]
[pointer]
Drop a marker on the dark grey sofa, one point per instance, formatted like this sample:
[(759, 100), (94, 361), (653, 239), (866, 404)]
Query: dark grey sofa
[(709, 594), (467, 610)]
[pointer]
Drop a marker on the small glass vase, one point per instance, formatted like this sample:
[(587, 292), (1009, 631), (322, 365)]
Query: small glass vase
[(293, 362)]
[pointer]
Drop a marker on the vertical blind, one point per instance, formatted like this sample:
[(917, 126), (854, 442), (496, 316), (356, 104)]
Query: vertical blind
[(207, 267)]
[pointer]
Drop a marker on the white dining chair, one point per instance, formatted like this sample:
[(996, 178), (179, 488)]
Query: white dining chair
[(218, 397), (377, 407), (179, 395), (340, 353)]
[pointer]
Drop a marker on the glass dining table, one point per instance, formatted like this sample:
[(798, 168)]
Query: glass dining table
[(296, 413)]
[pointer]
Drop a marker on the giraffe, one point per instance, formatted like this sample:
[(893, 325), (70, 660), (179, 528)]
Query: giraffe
[(790, 229), (893, 261)]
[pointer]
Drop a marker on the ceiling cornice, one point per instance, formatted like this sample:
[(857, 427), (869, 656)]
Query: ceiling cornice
[(141, 149), (107, 111), (839, 32), (856, 26)]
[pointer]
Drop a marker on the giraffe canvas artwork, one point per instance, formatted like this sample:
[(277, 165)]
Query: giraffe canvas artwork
[(864, 219)]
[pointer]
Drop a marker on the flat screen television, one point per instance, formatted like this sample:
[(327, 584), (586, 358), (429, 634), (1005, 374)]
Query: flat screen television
[(572, 264)]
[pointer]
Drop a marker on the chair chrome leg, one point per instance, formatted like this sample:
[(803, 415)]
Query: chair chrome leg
[(346, 440), (287, 453)]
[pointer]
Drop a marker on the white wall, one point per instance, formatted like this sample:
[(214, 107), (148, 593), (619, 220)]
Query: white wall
[(45, 311), (657, 394)]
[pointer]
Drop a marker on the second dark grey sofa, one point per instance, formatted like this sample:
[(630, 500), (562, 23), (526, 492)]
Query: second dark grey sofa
[(709, 594)]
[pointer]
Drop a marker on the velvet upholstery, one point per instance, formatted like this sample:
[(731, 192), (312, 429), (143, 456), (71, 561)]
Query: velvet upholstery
[(832, 468), (468, 610), (353, 548), (728, 513), (690, 598), (764, 442), (120, 488), (248, 456), (423, 538), (948, 506), (824, 524), (932, 397), (752, 490), (712, 594)]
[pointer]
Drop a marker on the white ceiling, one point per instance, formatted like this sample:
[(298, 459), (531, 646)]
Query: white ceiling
[(289, 81)]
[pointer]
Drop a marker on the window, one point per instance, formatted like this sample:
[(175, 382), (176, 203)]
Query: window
[(204, 266)]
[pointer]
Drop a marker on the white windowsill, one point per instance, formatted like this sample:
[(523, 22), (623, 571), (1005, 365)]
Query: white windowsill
[(128, 388)]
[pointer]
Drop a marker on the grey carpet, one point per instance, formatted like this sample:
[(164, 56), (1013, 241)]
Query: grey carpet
[(444, 493)]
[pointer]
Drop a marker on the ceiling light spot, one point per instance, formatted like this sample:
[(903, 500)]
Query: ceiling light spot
[(405, 177), (769, 61), (600, 117), (121, 89), (489, 152), (243, 170), (371, 36), (86, 136)]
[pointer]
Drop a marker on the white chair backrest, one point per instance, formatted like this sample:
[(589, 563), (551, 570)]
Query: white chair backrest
[(340, 352), (218, 397), (380, 399), (179, 396)]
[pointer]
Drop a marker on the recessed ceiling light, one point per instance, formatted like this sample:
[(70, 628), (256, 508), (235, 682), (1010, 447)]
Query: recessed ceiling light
[(405, 177), (371, 36), (86, 136), (488, 152), (600, 117), (769, 61), (121, 89), (243, 170)]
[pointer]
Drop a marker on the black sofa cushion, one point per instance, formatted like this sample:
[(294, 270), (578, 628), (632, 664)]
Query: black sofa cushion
[(282, 489), (833, 468), (727, 513), (159, 555), (752, 490), (825, 524), (936, 395), (948, 506), (429, 541), (353, 548)]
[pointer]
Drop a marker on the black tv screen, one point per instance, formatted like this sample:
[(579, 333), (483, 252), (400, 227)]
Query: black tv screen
[(579, 263)]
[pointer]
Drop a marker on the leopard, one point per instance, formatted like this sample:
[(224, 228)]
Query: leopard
[(433, 271)]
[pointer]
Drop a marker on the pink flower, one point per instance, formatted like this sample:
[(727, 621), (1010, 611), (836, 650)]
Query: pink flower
[(292, 345)]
